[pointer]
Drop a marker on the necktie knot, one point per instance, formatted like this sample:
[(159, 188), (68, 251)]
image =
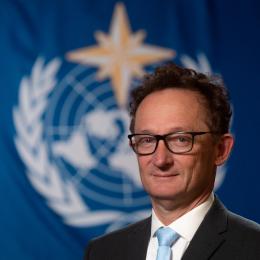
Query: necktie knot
[(166, 238)]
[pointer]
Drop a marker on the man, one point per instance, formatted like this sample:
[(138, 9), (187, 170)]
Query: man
[(180, 133)]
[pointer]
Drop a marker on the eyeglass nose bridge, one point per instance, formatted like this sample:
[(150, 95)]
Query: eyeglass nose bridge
[(163, 138)]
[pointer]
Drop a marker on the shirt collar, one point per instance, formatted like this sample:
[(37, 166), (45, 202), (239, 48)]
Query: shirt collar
[(187, 224)]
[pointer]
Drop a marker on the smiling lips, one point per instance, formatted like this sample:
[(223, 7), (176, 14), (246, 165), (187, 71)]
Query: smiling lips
[(164, 175)]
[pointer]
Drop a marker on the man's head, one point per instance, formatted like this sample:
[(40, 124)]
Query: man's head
[(182, 167)]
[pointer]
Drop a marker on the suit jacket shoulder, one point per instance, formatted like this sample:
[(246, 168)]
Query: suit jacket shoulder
[(246, 234), (128, 243), (224, 235)]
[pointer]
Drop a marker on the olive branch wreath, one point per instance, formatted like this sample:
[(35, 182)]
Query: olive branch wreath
[(61, 196)]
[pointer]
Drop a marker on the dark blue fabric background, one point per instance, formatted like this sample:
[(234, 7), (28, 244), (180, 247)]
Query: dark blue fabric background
[(226, 31)]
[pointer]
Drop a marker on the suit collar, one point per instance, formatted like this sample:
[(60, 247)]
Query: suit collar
[(139, 239), (210, 234)]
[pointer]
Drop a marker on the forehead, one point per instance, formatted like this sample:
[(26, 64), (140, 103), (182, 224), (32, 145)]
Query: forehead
[(171, 109)]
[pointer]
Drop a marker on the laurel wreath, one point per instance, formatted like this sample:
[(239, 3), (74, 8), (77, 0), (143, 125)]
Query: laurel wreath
[(62, 196)]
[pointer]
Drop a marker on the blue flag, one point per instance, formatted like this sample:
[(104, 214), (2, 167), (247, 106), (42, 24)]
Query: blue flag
[(67, 173)]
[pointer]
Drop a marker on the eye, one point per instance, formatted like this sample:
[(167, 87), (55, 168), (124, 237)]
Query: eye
[(145, 140), (179, 140), (182, 139)]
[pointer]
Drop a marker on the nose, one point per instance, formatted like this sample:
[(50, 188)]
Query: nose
[(162, 157)]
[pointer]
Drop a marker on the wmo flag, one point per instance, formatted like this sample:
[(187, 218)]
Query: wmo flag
[(66, 69)]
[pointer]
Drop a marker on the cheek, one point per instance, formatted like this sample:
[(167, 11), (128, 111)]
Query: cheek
[(201, 169), (186, 164), (190, 168)]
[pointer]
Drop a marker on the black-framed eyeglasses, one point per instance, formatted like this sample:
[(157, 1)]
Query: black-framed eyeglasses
[(177, 142)]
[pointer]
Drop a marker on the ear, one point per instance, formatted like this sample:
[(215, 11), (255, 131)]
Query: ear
[(224, 147)]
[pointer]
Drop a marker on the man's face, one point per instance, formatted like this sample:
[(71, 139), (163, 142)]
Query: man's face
[(176, 177)]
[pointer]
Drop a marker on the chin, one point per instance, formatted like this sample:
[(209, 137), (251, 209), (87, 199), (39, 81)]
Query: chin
[(165, 197), (164, 194)]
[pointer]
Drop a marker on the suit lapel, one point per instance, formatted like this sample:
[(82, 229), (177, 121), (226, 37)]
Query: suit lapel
[(210, 235), (138, 240)]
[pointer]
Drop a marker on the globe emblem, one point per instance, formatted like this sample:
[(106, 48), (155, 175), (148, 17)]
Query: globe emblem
[(86, 134)]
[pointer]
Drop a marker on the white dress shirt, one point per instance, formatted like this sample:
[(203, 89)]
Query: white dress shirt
[(186, 226)]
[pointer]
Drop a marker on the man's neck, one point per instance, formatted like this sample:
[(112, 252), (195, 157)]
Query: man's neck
[(168, 211)]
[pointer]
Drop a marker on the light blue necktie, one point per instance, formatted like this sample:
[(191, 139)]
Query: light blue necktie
[(166, 238)]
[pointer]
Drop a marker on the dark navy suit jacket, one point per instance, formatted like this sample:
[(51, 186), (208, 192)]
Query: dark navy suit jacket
[(222, 235)]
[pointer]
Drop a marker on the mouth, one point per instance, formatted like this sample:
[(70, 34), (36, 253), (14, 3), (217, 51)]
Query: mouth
[(165, 175)]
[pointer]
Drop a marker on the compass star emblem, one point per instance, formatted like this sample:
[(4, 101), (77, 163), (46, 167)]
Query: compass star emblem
[(120, 55)]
